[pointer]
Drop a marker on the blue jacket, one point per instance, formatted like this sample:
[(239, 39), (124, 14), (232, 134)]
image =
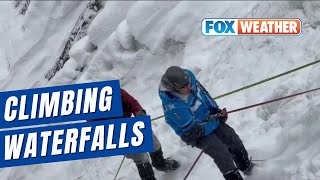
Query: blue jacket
[(189, 113)]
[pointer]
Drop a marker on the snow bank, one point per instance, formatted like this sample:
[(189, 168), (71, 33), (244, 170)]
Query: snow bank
[(107, 21), (36, 39)]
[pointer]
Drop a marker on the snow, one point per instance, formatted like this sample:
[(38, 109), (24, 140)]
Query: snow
[(107, 21), (137, 41), (33, 42)]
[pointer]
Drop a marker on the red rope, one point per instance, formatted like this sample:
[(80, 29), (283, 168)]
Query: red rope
[(271, 101), (248, 107)]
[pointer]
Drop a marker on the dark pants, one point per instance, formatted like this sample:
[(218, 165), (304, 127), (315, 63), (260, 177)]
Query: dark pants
[(144, 157), (218, 146)]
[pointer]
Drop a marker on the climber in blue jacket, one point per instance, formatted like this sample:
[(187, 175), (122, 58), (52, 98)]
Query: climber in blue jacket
[(198, 120)]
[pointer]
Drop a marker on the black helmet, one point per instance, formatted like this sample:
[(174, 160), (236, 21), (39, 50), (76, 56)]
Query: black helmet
[(175, 78)]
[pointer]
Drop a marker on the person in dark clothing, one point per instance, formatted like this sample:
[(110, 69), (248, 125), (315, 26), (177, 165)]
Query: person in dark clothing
[(198, 120), (132, 107)]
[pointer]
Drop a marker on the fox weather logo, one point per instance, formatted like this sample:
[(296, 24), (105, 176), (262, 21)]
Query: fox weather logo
[(218, 27), (229, 27)]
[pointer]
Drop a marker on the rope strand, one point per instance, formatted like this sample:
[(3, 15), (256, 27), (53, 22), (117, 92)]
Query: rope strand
[(115, 177)]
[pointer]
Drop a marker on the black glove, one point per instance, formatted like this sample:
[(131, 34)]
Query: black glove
[(189, 141), (223, 115), (141, 113)]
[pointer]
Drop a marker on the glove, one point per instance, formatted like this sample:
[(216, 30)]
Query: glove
[(141, 113), (223, 115)]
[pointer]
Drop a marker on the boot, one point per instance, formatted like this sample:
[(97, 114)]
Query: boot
[(233, 175), (240, 157), (162, 164), (146, 171)]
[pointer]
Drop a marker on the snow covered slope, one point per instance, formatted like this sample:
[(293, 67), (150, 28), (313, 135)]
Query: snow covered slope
[(137, 41)]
